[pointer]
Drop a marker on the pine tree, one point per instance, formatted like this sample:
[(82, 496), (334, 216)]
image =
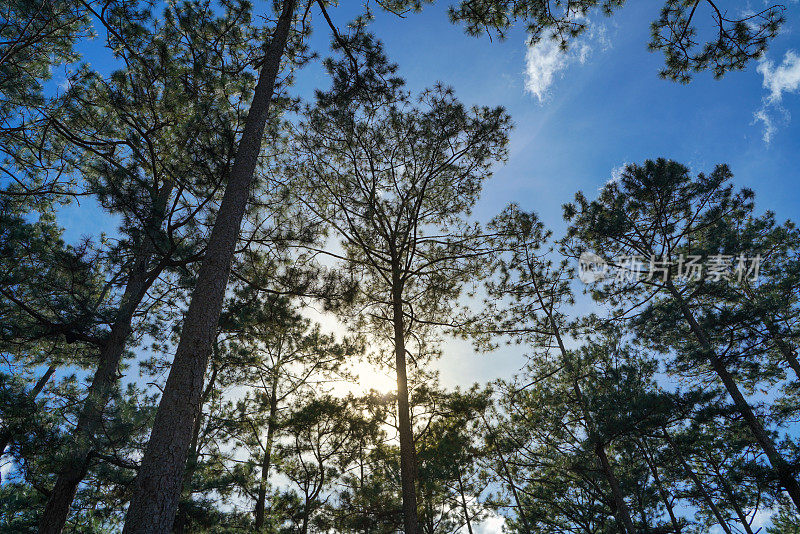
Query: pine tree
[(656, 213), (395, 181)]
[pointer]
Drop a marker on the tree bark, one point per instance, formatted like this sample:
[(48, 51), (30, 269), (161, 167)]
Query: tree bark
[(408, 461), (621, 507), (105, 378), (158, 485), (786, 351), (779, 464), (182, 518), (265, 465), (729, 492), (622, 512)]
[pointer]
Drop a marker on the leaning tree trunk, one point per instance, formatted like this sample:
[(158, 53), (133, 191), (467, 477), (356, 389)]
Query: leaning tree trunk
[(464, 501), (780, 466), (182, 518), (621, 510), (507, 472), (662, 492), (261, 500), (8, 436), (105, 378), (786, 351), (697, 482), (408, 460), (158, 485), (731, 495)]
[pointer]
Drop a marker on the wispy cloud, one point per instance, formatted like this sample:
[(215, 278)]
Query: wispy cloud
[(783, 78), (546, 61), (778, 79), (763, 116)]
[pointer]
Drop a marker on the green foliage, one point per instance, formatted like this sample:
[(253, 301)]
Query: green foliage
[(729, 44)]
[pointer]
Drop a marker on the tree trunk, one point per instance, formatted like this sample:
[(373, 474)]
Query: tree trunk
[(728, 490), (8, 436), (661, 491), (182, 519), (265, 465), (464, 501), (622, 512), (158, 485), (621, 507), (691, 474), (507, 472), (778, 462), (105, 377), (408, 461), (786, 351)]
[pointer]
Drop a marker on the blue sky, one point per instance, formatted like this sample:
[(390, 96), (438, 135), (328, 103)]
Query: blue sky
[(605, 106), (579, 116)]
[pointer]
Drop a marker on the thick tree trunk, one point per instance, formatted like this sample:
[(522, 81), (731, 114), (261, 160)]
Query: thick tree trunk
[(779, 464), (158, 485), (261, 501), (697, 482), (105, 377), (182, 518), (8, 437), (408, 460)]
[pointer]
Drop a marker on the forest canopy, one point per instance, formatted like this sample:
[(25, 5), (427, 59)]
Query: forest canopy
[(275, 213)]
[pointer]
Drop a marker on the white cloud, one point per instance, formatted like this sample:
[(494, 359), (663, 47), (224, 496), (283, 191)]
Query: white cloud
[(784, 78), (762, 115), (543, 61), (491, 525), (546, 61), (778, 79)]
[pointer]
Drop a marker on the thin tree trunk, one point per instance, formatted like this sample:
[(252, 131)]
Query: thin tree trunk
[(786, 351), (504, 466), (158, 486), (622, 512), (105, 378), (621, 507), (778, 462), (788, 354), (661, 491), (265, 465), (691, 474), (8, 437), (464, 501), (726, 488), (408, 461)]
